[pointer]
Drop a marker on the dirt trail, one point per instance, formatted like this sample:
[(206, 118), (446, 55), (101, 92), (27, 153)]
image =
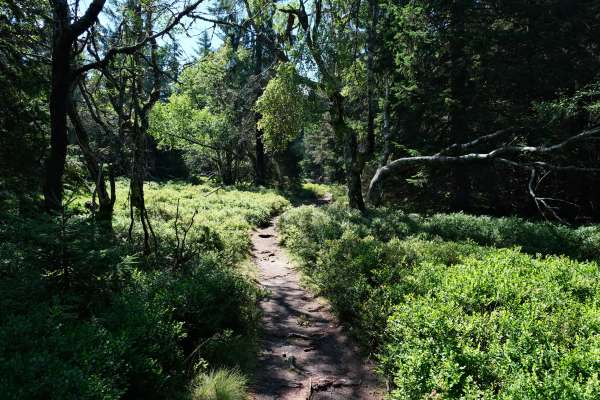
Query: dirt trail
[(305, 353)]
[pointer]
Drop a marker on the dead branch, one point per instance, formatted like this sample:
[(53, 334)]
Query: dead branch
[(499, 155)]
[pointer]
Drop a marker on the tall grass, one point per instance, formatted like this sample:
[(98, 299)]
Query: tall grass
[(222, 384)]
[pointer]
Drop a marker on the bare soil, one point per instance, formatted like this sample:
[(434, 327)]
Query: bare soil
[(305, 352)]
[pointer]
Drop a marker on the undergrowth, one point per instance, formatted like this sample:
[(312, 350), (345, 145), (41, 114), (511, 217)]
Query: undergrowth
[(460, 307), (85, 315)]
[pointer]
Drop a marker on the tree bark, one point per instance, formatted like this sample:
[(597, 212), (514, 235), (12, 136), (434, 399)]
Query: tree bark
[(94, 166), (375, 194), (64, 35), (354, 162), (227, 175), (60, 92), (498, 154), (259, 165), (141, 120), (371, 106)]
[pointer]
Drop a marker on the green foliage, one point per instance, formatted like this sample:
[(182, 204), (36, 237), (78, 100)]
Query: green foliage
[(584, 102), (504, 326), (24, 116), (354, 80), (219, 385), (319, 191), (179, 123), (208, 113), (534, 237), (225, 215), (581, 243), (83, 315), (323, 153), (451, 318), (283, 108)]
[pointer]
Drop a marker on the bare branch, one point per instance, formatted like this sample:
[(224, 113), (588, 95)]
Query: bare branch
[(541, 201), (481, 139), (112, 52), (494, 155), (585, 135)]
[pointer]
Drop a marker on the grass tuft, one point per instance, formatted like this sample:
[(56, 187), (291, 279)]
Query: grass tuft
[(222, 384)]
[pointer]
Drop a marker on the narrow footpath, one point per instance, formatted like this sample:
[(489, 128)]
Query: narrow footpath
[(305, 354)]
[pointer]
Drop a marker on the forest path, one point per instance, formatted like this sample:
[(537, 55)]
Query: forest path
[(305, 355)]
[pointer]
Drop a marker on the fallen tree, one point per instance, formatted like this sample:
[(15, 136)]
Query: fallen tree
[(507, 154)]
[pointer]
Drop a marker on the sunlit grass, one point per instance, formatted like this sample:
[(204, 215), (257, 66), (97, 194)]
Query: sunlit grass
[(222, 384)]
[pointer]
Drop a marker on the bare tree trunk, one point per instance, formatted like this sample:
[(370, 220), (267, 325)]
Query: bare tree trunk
[(387, 136), (141, 123), (64, 35), (227, 177), (355, 158), (371, 105), (94, 167), (136, 186), (355, 196), (60, 93), (375, 194), (509, 155), (259, 165)]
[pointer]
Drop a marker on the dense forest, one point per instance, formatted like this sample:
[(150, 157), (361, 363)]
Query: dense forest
[(430, 168)]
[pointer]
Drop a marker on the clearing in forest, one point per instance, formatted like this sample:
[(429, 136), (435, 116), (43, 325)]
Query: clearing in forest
[(305, 354)]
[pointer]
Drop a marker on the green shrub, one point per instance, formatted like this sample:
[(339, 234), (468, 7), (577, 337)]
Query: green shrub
[(222, 384), (451, 318), (305, 229), (503, 326), (46, 353), (533, 237), (84, 315), (582, 243), (224, 216)]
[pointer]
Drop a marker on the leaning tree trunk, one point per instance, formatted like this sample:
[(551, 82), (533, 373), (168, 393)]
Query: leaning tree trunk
[(64, 35), (106, 200)]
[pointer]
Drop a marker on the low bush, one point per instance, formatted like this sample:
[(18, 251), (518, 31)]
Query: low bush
[(533, 237), (505, 326), (221, 224), (84, 315), (450, 318)]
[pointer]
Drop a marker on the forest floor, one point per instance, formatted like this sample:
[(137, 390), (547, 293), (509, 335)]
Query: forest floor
[(305, 353)]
